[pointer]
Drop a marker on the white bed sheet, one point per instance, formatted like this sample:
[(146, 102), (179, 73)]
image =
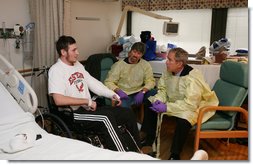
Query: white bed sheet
[(211, 73)]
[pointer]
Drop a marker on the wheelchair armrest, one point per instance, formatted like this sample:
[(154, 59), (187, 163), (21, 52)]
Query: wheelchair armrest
[(65, 108)]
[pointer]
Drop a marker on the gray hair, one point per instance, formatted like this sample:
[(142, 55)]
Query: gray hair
[(180, 55)]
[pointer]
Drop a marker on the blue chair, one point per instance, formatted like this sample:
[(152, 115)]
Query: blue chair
[(98, 65), (231, 90)]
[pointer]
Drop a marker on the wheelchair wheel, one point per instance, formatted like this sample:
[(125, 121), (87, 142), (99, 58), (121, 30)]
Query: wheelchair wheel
[(53, 124)]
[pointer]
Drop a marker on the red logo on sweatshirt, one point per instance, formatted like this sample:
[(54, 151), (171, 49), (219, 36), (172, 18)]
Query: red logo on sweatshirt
[(77, 79)]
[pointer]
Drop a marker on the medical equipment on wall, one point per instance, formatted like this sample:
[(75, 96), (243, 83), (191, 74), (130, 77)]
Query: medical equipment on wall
[(6, 33), (22, 35), (28, 39), (18, 32), (3, 32)]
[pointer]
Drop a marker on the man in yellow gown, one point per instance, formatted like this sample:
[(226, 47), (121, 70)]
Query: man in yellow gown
[(182, 91), (132, 78)]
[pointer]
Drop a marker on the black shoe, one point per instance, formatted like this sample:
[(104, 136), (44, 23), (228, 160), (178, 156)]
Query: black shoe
[(174, 157), (143, 136), (143, 142), (153, 154)]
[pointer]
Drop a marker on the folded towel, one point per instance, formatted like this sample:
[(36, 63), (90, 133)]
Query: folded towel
[(20, 142)]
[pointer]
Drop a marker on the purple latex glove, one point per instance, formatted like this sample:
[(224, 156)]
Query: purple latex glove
[(122, 94), (158, 107), (138, 98)]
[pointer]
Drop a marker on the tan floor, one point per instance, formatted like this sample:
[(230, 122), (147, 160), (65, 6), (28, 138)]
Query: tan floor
[(217, 149)]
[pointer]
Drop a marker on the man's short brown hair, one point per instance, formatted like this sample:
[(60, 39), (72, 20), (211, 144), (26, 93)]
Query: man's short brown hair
[(139, 46)]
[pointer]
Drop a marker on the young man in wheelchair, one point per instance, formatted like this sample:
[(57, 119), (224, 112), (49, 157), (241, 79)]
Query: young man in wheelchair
[(69, 84)]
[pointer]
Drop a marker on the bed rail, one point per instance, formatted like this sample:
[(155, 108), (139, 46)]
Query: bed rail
[(17, 86)]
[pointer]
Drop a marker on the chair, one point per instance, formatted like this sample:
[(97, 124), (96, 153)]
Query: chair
[(231, 90), (98, 65), (59, 120)]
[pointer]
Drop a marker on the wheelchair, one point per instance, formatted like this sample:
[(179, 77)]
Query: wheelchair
[(61, 123), (59, 120)]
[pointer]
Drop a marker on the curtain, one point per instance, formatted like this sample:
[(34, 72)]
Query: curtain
[(67, 17), (48, 18), (154, 5), (219, 24)]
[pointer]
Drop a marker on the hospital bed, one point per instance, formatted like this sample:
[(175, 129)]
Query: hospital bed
[(21, 138)]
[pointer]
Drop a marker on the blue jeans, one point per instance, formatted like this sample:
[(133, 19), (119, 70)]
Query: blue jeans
[(130, 101)]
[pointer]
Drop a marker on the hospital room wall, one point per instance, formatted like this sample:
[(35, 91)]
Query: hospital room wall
[(195, 28), (94, 36), (94, 33), (14, 12)]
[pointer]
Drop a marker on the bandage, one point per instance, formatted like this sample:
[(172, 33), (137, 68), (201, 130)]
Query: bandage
[(90, 103)]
